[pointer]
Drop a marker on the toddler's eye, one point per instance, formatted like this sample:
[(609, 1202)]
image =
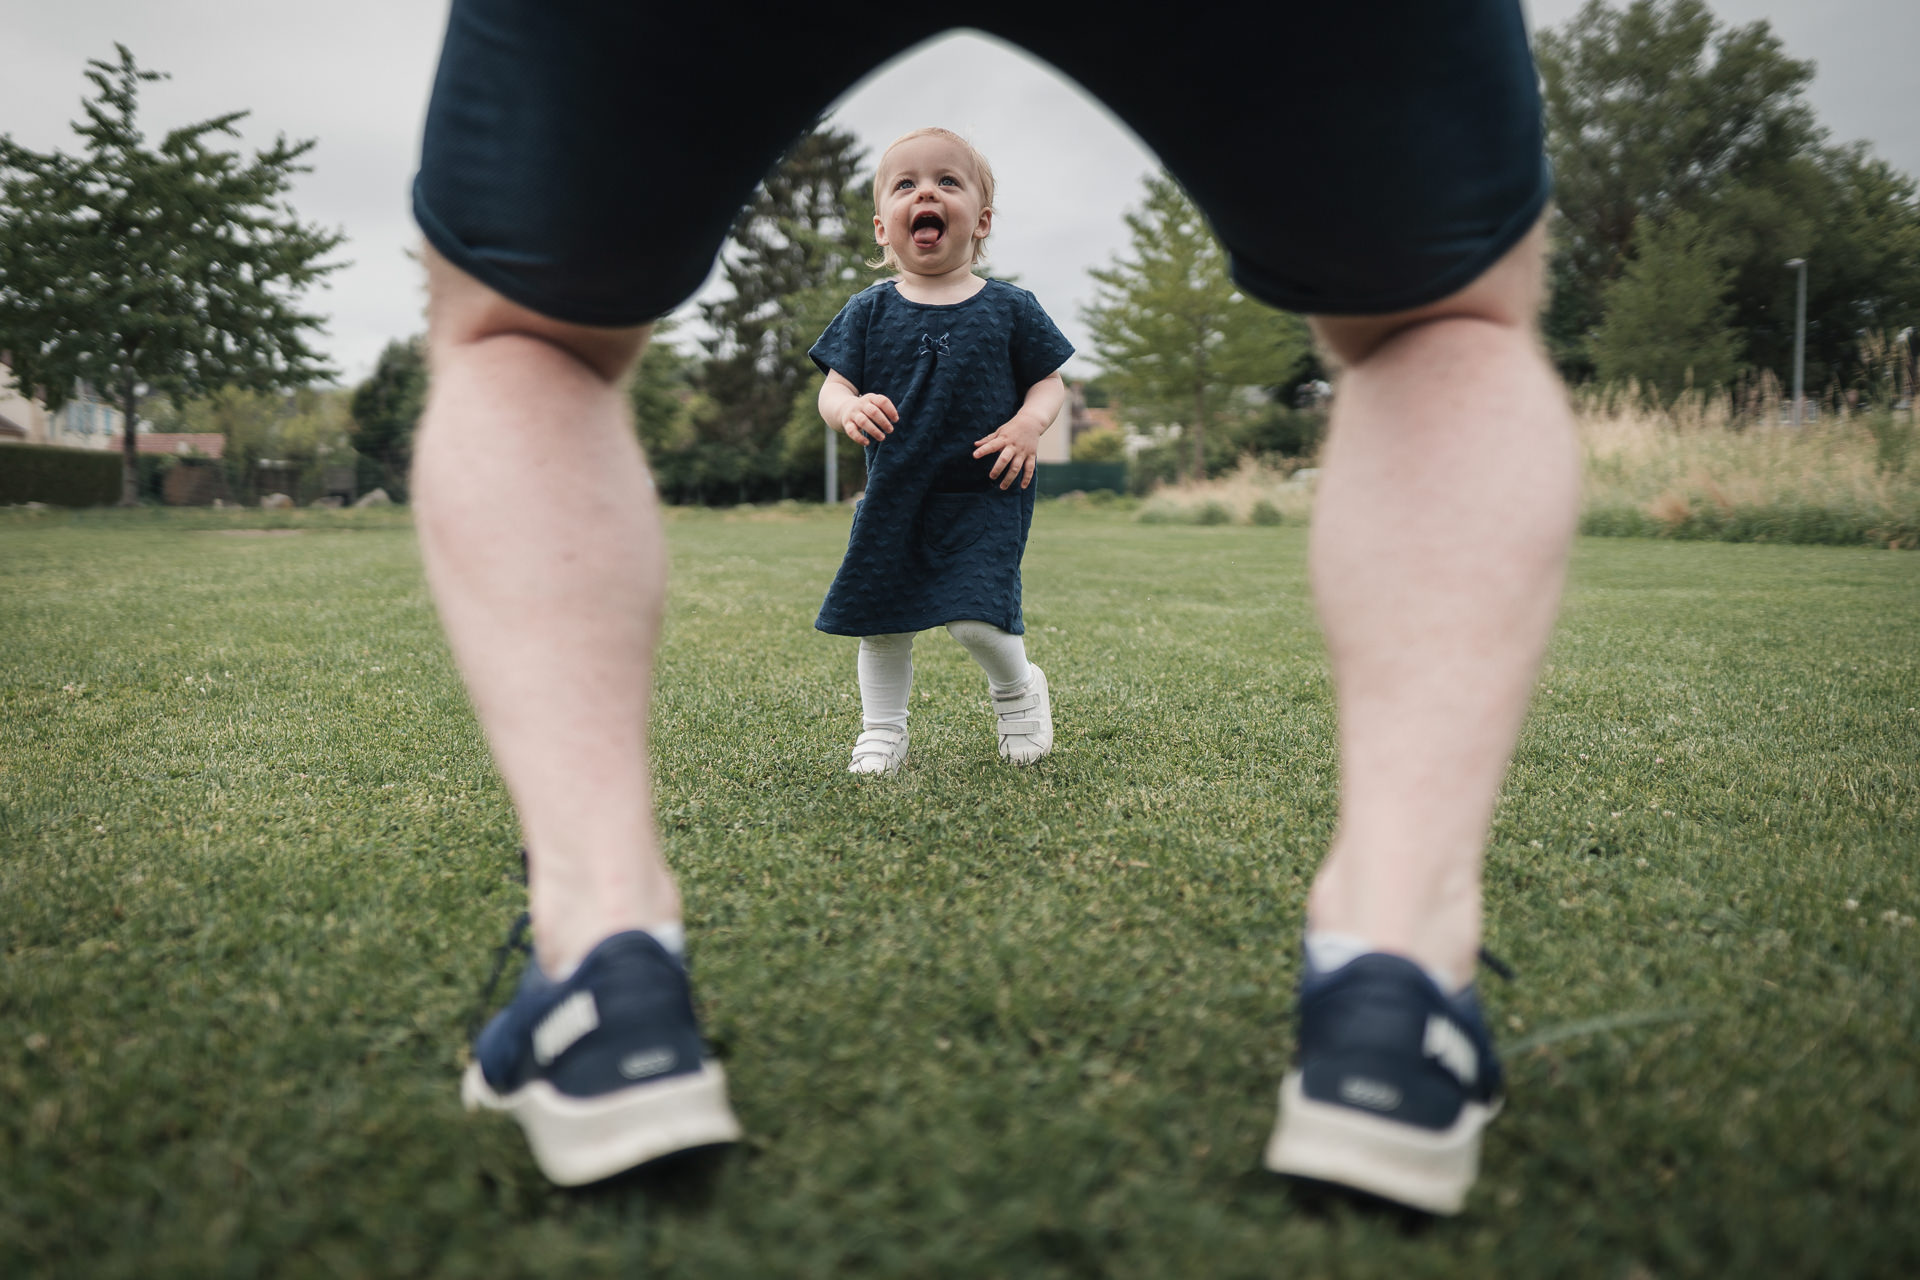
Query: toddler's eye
[(903, 184), (949, 182)]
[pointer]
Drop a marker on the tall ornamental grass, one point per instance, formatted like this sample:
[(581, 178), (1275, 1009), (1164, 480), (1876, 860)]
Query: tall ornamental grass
[(1258, 491), (1720, 466), (1700, 468)]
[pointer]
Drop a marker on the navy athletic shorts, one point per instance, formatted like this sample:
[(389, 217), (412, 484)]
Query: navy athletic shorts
[(586, 158)]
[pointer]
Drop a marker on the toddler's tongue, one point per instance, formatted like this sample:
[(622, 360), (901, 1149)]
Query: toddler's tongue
[(926, 237)]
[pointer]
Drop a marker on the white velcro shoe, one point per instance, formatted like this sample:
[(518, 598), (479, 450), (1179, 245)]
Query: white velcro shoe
[(880, 748), (1026, 720)]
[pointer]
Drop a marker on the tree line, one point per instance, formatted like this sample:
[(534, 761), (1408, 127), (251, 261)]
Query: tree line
[(1689, 170)]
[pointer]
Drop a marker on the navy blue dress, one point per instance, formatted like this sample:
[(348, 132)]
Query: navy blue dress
[(936, 539)]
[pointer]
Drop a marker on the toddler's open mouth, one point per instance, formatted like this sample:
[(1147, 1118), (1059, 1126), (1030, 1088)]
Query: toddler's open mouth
[(928, 227)]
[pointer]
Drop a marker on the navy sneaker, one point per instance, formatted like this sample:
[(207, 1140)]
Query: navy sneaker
[(606, 1070), (1394, 1084)]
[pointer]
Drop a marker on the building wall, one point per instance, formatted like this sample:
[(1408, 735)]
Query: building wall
[(82, 423), (85, 423), (1056, 445), (20, 412)]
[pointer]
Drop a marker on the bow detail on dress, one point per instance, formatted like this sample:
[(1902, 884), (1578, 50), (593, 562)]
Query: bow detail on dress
[(932, 346)]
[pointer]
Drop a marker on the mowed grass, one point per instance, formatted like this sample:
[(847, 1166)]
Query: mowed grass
[(979, 1023)]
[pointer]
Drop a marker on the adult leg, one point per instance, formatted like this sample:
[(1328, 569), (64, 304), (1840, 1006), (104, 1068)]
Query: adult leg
[(543, 549), (1439, 545), (1445, 509)]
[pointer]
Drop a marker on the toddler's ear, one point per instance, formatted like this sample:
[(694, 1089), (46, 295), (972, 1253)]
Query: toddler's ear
[(879, 230), (985, 225)]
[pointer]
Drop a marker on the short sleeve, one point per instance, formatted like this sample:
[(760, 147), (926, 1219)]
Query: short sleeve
[(843, 346), (1039, 348)]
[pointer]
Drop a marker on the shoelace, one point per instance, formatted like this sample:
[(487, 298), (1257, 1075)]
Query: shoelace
[(516, 941), (1496, 964)]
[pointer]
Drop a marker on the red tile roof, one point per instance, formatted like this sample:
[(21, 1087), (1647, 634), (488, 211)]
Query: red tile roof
[(204, 444)]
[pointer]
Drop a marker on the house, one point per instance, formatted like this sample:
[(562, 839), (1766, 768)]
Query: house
[(1056, 443), (22, 420), (84, 422), (1074, 420), (183, 444)]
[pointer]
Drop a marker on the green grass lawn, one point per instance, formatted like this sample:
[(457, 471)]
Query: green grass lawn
[(979, 1023)]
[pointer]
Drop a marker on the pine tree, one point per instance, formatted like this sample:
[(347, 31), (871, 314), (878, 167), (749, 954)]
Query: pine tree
[(140, 270), (386, 409), (1668, 321), (794, 259), (1174, 335)]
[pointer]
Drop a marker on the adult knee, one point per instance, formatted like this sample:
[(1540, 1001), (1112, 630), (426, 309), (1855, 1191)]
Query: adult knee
[(1506, 295), (462, 312)]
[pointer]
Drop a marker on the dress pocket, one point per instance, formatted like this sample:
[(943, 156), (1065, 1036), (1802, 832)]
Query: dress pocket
[(951, 523)]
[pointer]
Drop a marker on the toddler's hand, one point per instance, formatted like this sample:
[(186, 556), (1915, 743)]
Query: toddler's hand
[(869, 419), (1018, 443)]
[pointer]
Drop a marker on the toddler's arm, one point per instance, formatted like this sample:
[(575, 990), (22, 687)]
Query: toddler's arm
[(1018, 439), (866, 419)]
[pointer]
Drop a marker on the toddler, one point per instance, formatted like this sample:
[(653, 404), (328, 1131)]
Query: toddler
[(948, 380)]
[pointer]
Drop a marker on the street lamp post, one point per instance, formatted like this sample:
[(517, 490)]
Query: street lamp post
[(1799, 337)]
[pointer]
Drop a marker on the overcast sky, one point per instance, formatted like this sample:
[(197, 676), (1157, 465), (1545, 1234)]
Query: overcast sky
[(354, 74)]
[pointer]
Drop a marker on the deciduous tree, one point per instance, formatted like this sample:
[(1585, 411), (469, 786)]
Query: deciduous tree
[(1655, 109), (140, 270)]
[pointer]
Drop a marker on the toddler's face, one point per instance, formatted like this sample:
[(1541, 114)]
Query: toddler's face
[(931, 212)]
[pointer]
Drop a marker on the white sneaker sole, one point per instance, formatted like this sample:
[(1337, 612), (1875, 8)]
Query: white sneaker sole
[(581, 1140), (1422, 1169)]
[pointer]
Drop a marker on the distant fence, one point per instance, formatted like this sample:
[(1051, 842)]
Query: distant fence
[(1055, 478)]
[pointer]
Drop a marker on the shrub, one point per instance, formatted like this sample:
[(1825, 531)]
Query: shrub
[(59, 476), (1102, 444), (150, 475), (1264, 512), (1280, 432), (1213, 512)]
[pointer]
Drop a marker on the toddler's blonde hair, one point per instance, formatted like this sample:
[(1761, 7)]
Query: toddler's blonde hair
[(982, 172)]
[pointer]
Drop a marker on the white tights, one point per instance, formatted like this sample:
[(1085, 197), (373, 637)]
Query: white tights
[(886, 667)]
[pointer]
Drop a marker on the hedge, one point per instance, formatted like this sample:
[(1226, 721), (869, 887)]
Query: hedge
[(58, 476), (1056, 478)]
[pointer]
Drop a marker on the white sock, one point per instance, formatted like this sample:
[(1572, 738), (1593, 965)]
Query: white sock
[(1327, 951), (672, 936), (885, 665), (1001, 654)]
